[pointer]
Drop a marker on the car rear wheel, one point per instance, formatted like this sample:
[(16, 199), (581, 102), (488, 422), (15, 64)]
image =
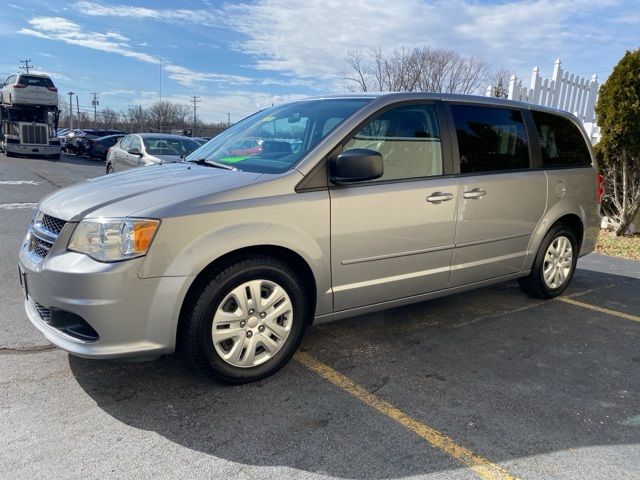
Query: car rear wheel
[(554, 264), (245, 320)]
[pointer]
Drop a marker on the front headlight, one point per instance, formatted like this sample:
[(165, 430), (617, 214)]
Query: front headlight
[(114, 239)]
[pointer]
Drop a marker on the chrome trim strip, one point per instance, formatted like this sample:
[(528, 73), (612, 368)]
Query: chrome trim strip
[(395, 278), (489, 240), (43, 234), (396, 255)]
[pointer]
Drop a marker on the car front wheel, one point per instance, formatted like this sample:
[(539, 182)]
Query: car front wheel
[(244, 321)]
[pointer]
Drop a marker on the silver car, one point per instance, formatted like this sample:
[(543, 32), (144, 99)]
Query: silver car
[(353, 204), (144, 149)]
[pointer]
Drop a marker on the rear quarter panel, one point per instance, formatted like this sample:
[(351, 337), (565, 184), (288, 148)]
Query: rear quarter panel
[(570, 191)]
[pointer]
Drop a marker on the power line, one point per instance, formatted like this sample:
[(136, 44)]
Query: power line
[(26, 66), (195, 100)]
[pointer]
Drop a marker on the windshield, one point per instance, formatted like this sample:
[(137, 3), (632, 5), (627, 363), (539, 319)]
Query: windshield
[(274, 140), (169, 146)]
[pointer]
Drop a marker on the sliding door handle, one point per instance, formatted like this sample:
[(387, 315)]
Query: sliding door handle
[(438, 197), (475, 193)]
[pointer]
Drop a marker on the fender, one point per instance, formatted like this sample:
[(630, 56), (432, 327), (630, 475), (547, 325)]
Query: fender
[(190, 243)]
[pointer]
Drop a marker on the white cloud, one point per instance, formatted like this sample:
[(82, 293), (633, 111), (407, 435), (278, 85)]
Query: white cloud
[(310, 39), (61, 29), (200, 17)]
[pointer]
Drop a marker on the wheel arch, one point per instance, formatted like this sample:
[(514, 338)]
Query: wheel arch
[(286, 255), (572, 220)]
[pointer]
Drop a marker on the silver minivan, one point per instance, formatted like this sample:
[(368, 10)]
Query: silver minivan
[(352, 204)]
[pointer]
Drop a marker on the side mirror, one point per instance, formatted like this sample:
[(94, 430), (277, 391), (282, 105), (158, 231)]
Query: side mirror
[(135, 151), (356, 165)]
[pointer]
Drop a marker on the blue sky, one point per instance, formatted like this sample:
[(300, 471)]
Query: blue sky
[(242, 56)]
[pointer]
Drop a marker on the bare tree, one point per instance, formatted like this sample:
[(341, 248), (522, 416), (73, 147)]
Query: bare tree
[(183, 114), (162, 115), (499, 80), (420, 69), (621, 201), (108, 118)]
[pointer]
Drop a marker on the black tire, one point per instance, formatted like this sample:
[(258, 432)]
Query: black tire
[(534, 284), (10, 154), (109, 169), (195, 342), (55, 157)]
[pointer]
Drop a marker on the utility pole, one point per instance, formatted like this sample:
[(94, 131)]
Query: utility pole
[(71, 94), (160, 112), (26, 66), (228, 119), (195, 100), (95, 104), (78, 110)]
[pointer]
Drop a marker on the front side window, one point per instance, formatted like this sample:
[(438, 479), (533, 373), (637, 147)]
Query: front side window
[(408, 139), (561, 142), (274, 140), (126, 142), (135, 142), (490, 139)]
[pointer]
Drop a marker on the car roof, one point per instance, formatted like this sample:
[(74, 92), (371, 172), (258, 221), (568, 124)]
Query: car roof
[(39, 75), (447, 97), (166, 136)]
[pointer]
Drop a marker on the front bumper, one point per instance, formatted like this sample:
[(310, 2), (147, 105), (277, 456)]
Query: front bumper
[(133, 317), (20, 149)]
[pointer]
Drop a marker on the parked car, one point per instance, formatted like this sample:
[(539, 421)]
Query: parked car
[(29, 89), (99, 147), (392, 199), (82, 140), (67, 140), (144, 149)]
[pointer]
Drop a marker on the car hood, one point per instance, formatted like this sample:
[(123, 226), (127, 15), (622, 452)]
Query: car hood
[(122, 194)]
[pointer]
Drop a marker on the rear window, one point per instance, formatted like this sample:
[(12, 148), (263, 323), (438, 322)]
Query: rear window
[(490, 139), (30, 81), (561, 142)]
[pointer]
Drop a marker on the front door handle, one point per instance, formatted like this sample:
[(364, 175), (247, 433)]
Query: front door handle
[(438, 197), (475, 193)]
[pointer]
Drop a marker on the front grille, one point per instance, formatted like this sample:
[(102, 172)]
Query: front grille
[(44, 312), (52, 224), (34, 134), (39, 247)]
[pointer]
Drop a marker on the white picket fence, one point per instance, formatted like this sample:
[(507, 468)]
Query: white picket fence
[(564, 90)]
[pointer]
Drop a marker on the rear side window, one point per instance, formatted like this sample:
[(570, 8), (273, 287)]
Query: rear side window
[(561, 142), (30, 81), (408, 139), (490, 139)]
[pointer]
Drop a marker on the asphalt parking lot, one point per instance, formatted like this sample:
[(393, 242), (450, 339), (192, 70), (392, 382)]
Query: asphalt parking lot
[(488, 384)]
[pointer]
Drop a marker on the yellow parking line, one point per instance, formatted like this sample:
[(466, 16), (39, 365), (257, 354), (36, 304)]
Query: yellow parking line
[(481, 466), (608, 311)]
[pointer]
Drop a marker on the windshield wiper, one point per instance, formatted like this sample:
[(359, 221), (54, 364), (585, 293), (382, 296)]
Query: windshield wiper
[(212, 163)]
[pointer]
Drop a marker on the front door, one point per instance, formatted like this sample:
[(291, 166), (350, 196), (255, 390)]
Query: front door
[(500, 200), (393, 237)]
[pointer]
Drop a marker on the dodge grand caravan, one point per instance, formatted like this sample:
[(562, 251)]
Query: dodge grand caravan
[(386, 200)]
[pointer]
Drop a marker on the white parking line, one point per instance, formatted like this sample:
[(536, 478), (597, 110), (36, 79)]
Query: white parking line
[(19, 182), (18, 206)]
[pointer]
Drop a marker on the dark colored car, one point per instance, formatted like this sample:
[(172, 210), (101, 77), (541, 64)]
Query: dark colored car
[(99, 147), (82, 139)]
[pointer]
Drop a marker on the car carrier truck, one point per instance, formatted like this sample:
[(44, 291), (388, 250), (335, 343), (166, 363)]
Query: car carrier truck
[(29, 130)]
